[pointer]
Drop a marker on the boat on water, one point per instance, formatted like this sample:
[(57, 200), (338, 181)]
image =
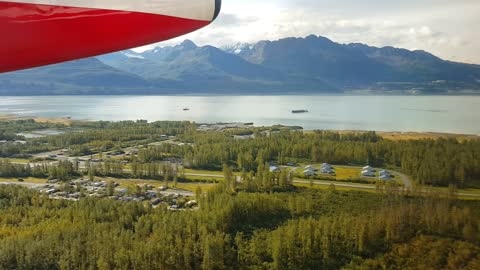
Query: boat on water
[(186, 109), (299, 111)]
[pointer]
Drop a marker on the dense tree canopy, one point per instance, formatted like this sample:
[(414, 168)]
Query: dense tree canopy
[(437, 162), (262, 222), (299, 229)]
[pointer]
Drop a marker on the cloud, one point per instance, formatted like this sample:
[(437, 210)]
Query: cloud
[(227, 20), (422, 24)]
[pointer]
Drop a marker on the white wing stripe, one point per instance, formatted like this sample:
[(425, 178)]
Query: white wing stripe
[(189, 9)]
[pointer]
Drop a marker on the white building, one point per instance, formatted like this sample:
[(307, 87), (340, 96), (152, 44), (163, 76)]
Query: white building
[(368, 168), (274, 169), (309, 173), (326, 165), (385, 177), (326, 170), (367, 173), (384, 172)]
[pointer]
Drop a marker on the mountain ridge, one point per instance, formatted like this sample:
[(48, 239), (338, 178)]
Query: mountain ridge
[(313, 64)]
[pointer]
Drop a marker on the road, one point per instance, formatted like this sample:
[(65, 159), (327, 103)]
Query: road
[(204, 175), (371, 187), (404, 178), (174, 191), (322, 183), (24, 184), (407, 182)]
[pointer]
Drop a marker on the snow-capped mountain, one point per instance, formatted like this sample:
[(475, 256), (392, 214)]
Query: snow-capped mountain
[(310, 65), (237, 48)]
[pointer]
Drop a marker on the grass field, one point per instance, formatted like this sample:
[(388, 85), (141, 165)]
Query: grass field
[(26, 180), (326, 187), (193, 186), (202, 178), (474, 191), (204, 172), (10, 117), (343, 173), (347, 173), (402, 136), (155, 183), (64, 121), (16, 160)]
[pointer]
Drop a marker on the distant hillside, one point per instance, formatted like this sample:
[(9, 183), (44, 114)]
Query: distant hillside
[(292, 65), (87, 76), (358, 66)]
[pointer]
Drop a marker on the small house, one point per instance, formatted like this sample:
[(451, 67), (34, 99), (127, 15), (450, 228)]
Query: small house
[(385, 172), (156, 201), (274, 169), (368, 168), (244, 137), (326, 165), (74, 195), (310, 167), (326, 170), (366, 173), (385, 177), (191, 203), (309, 173)]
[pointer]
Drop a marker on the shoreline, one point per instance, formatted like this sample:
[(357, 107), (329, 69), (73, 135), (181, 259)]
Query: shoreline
[(390, 135), (60, 120), (355, 93), (413, 135)]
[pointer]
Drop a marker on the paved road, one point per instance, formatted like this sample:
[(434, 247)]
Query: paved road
[(404, 178), (204, 175), (172, 191), (468, 195), (321, 183), (370, 187), (28, 185)]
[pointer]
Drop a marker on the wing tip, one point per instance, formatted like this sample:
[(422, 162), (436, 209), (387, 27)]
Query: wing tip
[(218, 7)]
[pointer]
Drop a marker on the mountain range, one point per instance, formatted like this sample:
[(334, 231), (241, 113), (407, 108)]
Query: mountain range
[(292, 65)]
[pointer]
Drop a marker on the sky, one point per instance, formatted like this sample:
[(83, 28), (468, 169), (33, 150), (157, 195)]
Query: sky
[(449, 29)]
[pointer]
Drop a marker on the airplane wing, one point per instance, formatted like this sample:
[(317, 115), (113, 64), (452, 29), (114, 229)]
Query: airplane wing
[(42, 32)]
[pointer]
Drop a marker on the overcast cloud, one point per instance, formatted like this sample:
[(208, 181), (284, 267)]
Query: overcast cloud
[(447, 28)]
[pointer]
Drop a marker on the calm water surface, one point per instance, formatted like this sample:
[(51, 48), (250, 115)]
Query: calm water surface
[(384, 113)]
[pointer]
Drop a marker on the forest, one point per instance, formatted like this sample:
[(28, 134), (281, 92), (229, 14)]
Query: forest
[(261, 222), (439, 162), (293, 228)]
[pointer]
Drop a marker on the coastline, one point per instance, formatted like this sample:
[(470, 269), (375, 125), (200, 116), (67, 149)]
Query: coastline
[(389, 135), (61, 120)]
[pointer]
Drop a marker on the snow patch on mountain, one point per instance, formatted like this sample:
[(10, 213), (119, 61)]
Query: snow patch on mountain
[(131, 55), (237, 48)]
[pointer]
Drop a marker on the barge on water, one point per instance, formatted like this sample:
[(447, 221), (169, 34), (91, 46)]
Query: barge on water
[(299, 111)]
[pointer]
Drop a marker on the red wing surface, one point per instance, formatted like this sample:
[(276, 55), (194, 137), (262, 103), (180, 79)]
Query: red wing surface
[(43, 32)]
